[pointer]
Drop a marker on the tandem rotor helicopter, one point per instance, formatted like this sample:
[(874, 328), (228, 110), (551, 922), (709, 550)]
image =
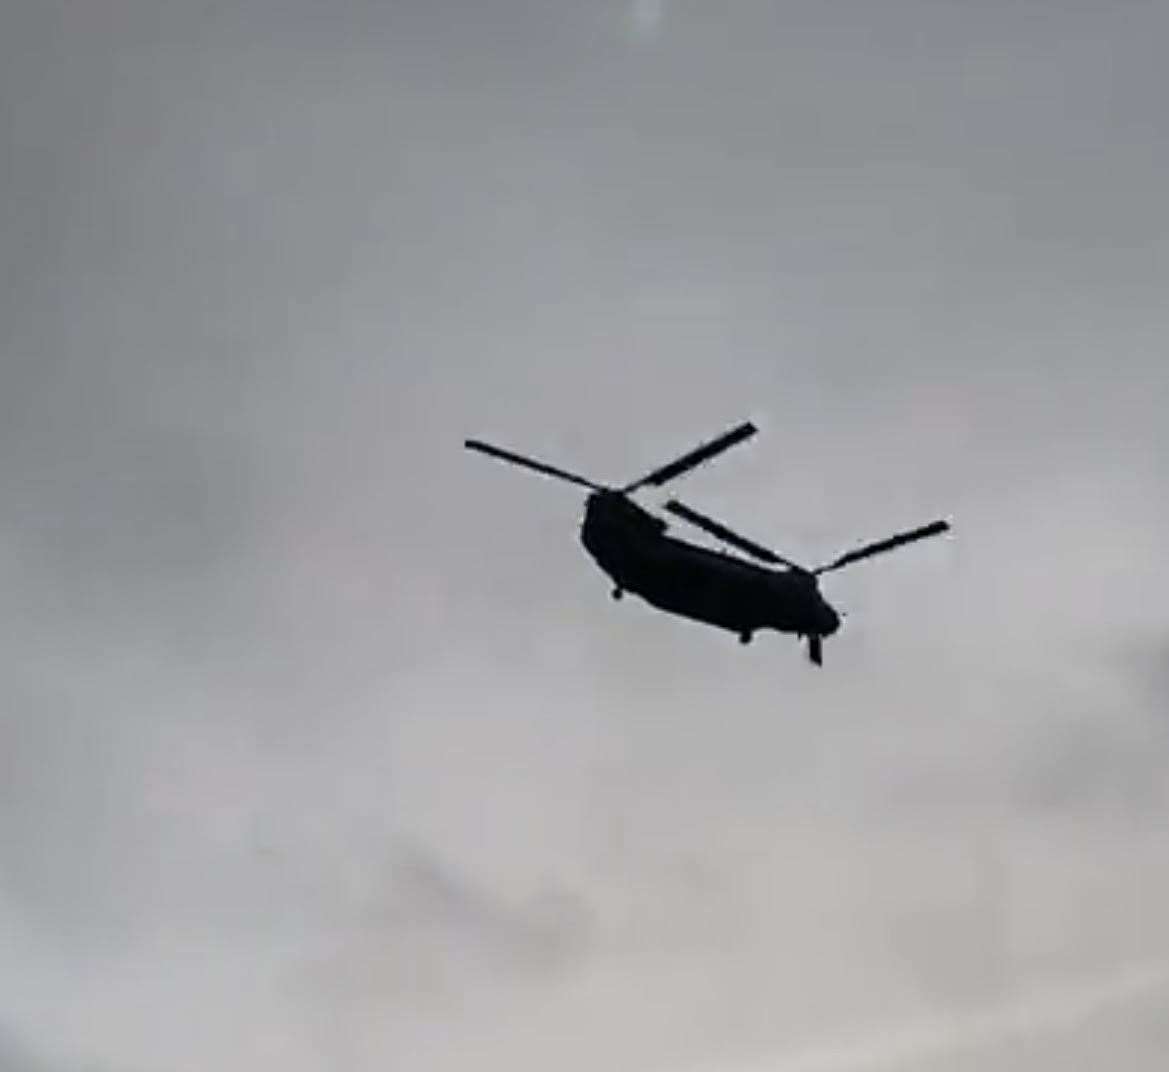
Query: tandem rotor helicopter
[(727, 591)]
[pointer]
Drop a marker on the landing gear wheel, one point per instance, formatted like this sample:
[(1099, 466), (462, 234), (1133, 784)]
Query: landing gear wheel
[(618, 593), (745, 636)]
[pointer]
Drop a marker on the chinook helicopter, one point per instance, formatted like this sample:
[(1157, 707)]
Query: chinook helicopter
[(724, 590)]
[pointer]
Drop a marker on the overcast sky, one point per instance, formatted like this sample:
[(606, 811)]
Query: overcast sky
[(323, 745)]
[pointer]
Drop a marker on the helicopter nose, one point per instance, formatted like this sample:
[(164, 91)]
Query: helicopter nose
[(831, 620)]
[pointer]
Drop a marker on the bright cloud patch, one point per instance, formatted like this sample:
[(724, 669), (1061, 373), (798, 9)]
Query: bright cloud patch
[(646, 18)]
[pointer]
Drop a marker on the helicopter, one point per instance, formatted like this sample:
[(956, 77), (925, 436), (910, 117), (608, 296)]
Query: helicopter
[(728, 591)]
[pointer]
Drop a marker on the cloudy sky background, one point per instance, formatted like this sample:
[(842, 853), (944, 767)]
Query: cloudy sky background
[(323, 746)]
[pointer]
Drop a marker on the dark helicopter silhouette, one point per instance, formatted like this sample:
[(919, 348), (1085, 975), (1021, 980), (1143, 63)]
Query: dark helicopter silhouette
[(632, 548)]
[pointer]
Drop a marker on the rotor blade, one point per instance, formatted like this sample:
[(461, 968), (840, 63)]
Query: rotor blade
[(816, 649), (728, 536), (881, 546), (529, 463), (696, 457)]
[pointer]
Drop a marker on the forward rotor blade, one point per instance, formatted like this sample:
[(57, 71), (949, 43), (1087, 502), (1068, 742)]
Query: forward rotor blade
[(816, 649), (934, 528), (696, 457), (718, 530), (529, 463)]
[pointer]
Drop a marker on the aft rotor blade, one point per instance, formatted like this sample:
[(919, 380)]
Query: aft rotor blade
[(695, 457), (530, 463), (934, 528), (728, 536)]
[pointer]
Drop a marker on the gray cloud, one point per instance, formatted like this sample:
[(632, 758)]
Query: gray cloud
[(323, 744), (13, 1057)]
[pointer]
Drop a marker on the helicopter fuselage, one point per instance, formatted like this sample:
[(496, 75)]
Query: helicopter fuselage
[(632, 548)]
